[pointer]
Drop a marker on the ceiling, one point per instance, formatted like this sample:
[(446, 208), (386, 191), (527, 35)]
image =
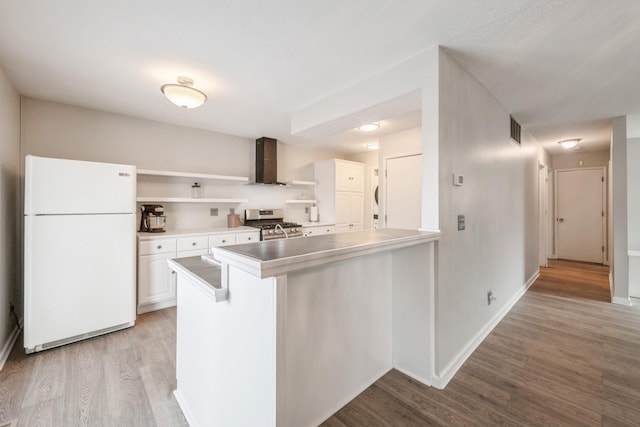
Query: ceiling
[(561, 68)]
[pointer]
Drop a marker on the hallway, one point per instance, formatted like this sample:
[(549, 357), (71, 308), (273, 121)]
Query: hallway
[(564, 355)]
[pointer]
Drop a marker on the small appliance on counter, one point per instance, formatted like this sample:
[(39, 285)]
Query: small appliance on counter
[(152, 219), (271, 224)]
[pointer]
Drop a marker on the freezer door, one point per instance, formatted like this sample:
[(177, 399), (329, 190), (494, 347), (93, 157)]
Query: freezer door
[(79, 275), (59, 186)]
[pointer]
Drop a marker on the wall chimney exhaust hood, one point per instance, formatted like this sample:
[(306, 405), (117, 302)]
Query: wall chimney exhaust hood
[(267, 161)]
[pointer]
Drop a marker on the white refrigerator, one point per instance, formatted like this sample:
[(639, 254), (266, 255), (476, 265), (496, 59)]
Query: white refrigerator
[(79, 250)]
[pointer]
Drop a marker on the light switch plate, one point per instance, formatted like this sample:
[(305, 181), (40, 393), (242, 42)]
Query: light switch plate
[(213, 212), (458, 180), (460, 222)]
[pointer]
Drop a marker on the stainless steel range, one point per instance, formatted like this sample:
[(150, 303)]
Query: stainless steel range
[(271, 224)]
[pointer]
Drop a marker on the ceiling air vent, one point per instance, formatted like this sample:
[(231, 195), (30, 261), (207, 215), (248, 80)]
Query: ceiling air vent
[(515, 130)]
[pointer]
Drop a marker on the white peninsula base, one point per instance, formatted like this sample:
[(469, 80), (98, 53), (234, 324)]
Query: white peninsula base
[(306, 325)]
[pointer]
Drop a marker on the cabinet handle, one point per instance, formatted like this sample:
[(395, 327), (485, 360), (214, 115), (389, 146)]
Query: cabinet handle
[(224, 241), (173, 272), (248, 238), (159, 247), (193, 244)]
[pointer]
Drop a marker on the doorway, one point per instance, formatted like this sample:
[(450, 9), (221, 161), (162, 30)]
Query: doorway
[(581, 214), (403, 192)]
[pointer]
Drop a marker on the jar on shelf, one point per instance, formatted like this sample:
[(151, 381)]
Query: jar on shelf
[(196, 191)]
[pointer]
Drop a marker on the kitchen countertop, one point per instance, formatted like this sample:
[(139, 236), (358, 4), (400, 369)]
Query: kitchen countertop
[(276, 257), (195, 232), (204, 271)]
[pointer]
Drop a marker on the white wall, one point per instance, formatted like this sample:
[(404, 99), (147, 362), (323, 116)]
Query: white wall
[(589, 159), (57, 130), (498, 249), (619, 257), (633, 214), (10, 220)]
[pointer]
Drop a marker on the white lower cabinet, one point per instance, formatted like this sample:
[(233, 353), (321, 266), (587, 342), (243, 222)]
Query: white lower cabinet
[(156, 282)]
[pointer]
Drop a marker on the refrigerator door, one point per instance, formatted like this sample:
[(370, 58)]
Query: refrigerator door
[(59, 186), (79, 276)]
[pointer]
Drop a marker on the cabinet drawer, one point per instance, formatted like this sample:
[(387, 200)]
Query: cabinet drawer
[(318, 230), (195, 252), (156, 246), (248, 237), (222, 239), (192, 243)]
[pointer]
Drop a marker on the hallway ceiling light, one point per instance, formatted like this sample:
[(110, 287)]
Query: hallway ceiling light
[(569, 143), (373, 146), (369, 127), (182, 94)]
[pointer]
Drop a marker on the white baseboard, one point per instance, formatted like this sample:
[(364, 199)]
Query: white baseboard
[(441, 381), (621, 301), (8, 345), (184, 408)]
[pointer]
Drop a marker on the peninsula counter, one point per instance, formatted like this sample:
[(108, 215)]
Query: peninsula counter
[(286, 332)]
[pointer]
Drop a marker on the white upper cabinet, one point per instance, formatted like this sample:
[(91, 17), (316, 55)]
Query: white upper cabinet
[(349, 176)]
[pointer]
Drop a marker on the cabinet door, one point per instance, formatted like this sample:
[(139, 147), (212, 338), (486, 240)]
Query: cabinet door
[(343, 207), (356, 211), (156, 282), (356, 173), (343, 176), (248, 237)]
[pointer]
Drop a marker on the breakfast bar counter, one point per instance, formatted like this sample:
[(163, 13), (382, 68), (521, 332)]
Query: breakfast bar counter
[(296, 328)]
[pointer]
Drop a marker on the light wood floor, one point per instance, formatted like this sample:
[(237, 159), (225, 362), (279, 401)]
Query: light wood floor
[(125, 378), (562, 356)]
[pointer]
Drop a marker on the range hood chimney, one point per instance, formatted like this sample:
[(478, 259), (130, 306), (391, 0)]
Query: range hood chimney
[(267, 161)]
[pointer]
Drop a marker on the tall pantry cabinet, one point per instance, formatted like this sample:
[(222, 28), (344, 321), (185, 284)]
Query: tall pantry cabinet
[(340, 193)]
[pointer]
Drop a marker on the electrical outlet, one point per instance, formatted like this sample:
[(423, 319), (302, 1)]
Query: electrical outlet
[(490, 297), (213, 212), (461, 222), (306, 210)]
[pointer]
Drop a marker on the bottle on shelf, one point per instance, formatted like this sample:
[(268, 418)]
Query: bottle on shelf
[(196, 191)]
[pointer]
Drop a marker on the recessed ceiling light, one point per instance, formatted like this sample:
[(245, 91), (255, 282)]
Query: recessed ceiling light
[(373, 146), (569, 143), (369, 127), (182, 94)]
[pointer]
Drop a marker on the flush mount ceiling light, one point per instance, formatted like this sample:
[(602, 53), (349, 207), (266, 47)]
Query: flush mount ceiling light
[(182, 94), (373, 146), (569, 143), (369, 127)]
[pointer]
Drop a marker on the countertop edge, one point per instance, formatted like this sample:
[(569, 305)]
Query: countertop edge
[(277, 267)]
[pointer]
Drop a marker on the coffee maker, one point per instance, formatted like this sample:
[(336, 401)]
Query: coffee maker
[(152, 219)]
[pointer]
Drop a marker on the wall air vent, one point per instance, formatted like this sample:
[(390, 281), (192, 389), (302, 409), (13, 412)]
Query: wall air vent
[(515, 130)]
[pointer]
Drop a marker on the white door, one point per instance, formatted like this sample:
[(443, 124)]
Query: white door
[(580, 214), (404, 192)]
